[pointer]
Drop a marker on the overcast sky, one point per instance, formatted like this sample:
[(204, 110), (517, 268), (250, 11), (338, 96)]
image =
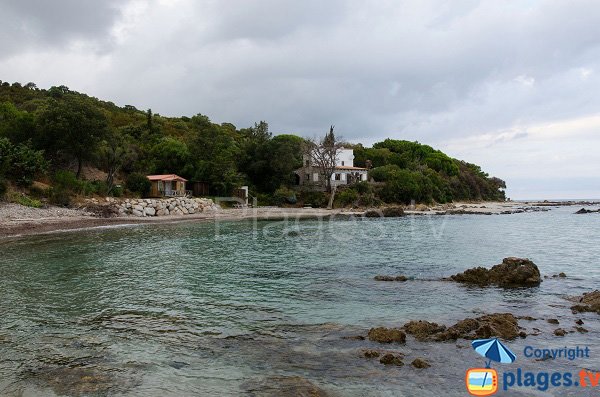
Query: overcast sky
[(513, 86)]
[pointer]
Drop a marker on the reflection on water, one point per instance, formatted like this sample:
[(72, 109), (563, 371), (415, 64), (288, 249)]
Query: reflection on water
[(258, 310)]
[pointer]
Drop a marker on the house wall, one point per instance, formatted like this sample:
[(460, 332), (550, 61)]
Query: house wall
[(345, 158)]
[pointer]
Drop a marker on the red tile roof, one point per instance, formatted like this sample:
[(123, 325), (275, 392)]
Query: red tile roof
[(166, 177)]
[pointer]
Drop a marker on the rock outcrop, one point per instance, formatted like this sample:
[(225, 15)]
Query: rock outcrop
[(512, 272), (387, 335), (501, 325), (392, 359), (420, 363), (589, 302), (586, 211), (390, 278), (388, 212)]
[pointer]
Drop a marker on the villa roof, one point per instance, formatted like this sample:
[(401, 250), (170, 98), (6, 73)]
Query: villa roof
[(166, 178), (346, 167)]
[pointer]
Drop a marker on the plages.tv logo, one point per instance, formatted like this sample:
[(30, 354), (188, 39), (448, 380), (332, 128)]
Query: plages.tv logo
[(484, 381)]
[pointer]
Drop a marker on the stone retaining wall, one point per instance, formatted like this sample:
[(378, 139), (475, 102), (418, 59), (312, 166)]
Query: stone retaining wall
[(163, 207)]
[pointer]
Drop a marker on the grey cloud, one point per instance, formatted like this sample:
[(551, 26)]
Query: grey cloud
[(41, 23)]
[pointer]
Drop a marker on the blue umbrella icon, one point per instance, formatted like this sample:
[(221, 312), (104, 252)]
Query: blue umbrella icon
[(493, 349)]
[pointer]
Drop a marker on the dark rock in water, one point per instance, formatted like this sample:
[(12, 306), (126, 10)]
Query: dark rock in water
[(528, 318), (390, 359), (512, 272), (589, 302), (422, 330), (579, 322), (502, 325), (388, 212), (177, 364), (420, 363), (560, 332), (586, 211), (387, 335), (581, 330), (354, 337), (562, 275), (371, 353), (390, 278), (522, 334), (553, 321), (283, 386)]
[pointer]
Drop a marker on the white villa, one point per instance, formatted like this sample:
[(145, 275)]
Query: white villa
[(345, 171)]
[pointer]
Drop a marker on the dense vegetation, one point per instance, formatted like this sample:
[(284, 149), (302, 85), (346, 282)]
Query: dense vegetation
[(54, 135)]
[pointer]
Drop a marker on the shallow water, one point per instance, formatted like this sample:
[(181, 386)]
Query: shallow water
[(233, 308)]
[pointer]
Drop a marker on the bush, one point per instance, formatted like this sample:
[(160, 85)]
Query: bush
[(138, 183), (347, 197), (117, 191), (60, 197), (3, 187), (284, 195), (314, 198), (67, 181), (24, 200)]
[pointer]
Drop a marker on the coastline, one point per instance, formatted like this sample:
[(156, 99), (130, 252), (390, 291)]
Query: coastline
[(25, 221)]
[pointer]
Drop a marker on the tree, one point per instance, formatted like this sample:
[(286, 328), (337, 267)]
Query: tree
[(324, 154), (171, 156), (70, 129), (112, 154)]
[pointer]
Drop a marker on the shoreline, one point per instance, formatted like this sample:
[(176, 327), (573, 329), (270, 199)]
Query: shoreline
[(54, 220)]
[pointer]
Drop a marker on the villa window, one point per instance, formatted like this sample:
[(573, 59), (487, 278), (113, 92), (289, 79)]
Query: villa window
[(343, 164), (308, 163), (307, 177), (338, 177)]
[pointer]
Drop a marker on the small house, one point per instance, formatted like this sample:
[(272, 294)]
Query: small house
[(170, 185)]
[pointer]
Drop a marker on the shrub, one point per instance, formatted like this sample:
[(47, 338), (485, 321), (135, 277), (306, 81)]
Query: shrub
[(138, 183), (314, 198), (3, 187), (284, 195), (67, 181), (347, 197), (24, 200), (60, 197)]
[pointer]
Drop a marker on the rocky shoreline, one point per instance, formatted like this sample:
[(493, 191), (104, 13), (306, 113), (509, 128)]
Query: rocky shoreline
[(17, 220)]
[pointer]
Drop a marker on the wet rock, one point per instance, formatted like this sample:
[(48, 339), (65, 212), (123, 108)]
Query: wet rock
[(386, 335), (422, 330), (586, 211), (354, 337), (552, 321), (560, 332), (589, 302), (502, 325), (390, 278), (283, 386), (388, 212), (528, 318), (579, 322), (420, 363), (512, 272), (522, 334), (371, 353), (581, 330), (391, 359)]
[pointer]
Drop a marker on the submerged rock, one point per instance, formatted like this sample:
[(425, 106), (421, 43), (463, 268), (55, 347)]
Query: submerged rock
[(390, 278), (391, 359), (512, 272), (386, 335), (502, 325), (283, 386), (586, 211), (553, 321), (420, 363), (371, 353)]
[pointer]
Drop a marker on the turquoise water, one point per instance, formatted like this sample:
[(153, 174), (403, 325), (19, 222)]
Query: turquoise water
[(233, 308)]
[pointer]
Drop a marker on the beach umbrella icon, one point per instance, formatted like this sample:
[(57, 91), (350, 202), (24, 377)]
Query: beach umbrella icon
[(493, 350)]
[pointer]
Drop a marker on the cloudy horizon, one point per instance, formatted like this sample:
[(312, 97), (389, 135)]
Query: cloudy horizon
[(509, 86)]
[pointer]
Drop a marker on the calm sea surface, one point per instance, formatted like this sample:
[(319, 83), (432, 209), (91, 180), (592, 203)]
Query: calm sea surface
[(245, 308)]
